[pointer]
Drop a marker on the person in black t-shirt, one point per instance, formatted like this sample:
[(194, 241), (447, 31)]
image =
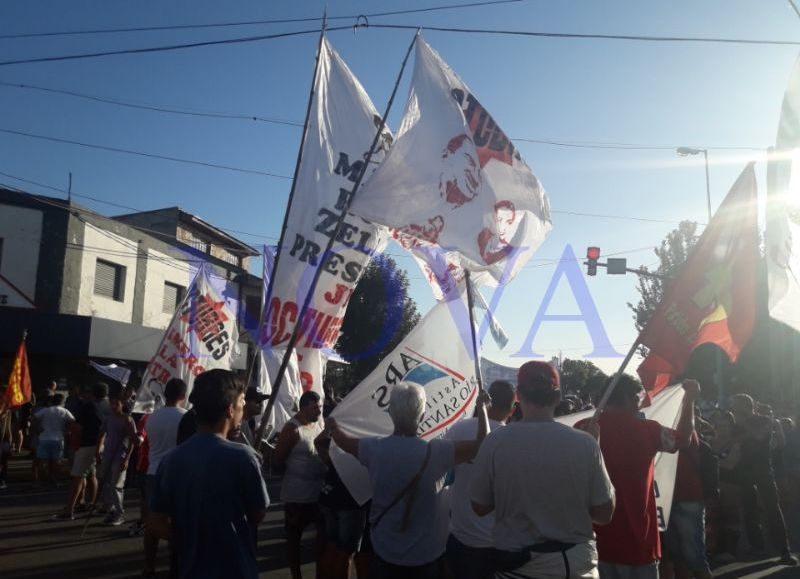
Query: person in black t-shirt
[(757, 480), (90, 416), (345, 521)]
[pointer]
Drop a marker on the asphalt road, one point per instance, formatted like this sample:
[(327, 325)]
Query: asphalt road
[(31, 546)]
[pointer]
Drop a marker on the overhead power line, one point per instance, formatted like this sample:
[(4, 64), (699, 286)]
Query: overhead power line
[(589, 36), (255, 117), (168, 47), (255, 22), (144, 154), (518, 33), (155, 108)]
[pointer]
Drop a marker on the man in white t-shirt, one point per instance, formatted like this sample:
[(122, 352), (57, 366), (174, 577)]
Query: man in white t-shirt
[(470, 542), (546, 483), (53, 421), (162, 435)]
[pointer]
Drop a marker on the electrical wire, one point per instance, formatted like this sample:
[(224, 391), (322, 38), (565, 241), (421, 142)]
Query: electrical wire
[(588, 36), (167, 48), (256, 22), (518, 33), (156, 108), (143, 154), (274, 120)]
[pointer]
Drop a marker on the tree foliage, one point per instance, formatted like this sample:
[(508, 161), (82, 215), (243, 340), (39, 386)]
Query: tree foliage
[(581, 377), (379, 316), (671, 254)]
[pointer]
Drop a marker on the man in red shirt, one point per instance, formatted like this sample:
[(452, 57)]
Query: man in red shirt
[(629, 546)]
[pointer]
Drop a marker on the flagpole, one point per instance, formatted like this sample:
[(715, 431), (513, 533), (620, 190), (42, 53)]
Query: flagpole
[(300, 150), (470, 306), (318, 272)]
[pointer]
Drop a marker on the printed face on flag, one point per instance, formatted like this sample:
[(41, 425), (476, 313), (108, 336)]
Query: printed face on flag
[(341, 127), (454, 189)]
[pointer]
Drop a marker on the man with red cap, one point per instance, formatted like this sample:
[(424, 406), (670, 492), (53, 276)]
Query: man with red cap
[(629, 546), (546, 483)]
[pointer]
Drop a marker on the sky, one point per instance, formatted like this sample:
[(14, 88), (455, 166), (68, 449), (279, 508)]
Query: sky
[(724, 97)]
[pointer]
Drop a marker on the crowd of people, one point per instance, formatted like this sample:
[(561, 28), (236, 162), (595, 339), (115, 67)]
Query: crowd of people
[(509, 493)]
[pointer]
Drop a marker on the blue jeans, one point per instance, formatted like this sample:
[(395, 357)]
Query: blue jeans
[(685, 536)]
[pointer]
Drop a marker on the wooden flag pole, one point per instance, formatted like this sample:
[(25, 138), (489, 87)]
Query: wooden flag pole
[(473, 332), (318, 272), (265, 305)]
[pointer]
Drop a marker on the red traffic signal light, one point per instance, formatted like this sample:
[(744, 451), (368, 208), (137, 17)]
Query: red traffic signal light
[(592, 255)]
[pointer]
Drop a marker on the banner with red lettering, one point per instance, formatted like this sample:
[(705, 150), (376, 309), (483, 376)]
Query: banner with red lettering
[(341, 127), (454, 189), (202, 335)]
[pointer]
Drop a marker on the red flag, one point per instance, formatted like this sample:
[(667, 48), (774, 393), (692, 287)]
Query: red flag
[(713, 299), (19, 383)]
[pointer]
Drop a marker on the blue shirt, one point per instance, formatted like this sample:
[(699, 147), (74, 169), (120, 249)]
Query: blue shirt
[(207, 486)]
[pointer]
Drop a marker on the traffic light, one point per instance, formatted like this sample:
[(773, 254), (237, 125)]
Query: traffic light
[(592, 255)]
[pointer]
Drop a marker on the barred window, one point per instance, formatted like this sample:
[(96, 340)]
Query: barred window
[(109, 280), (173, 296)]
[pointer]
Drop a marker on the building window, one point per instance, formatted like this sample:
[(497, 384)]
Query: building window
[(109, 280), (1, 252), (173, 296)]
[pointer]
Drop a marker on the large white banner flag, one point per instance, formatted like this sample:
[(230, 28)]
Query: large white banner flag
[(341, 128), (203, 335), (437, 355), (665, 409), (454, 189), (782, 234)]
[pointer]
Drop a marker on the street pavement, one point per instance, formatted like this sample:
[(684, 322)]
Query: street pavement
[(33, 547)]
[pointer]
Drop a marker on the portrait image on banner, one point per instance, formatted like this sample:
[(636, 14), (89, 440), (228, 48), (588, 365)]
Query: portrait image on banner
[(203, 335), (342, 125), (454, 189)]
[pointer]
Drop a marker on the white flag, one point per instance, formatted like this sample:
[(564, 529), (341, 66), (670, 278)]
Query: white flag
[(341, 127), (437, 355), (118, 373), (289, 394), (454, 189), (202, 335), (782, 234), (665, 409)]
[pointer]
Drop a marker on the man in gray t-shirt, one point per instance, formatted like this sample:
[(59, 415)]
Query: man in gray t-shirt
[(545, 482)]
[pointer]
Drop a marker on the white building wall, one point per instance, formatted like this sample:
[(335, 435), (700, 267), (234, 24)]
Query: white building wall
[(21, 230), (113, 249), (161, 268)]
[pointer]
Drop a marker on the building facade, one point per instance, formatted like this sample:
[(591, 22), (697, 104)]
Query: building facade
[(86, 286)]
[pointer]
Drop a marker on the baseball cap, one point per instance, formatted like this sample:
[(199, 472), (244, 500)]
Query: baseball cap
[(253, 394)]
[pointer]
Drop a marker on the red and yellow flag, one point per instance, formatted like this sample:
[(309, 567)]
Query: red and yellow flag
[(713, 299), (19, 383)]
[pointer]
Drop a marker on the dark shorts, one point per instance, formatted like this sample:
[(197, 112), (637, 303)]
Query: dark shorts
[(345, 528), (380, 569), (301, 515)]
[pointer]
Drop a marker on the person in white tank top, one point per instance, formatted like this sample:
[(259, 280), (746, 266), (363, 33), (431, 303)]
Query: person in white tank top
[(302, 481)]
